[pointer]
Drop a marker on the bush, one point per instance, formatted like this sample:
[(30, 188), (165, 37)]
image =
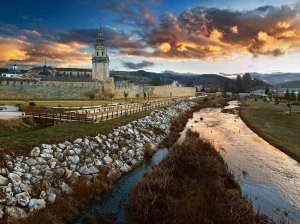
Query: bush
[(32, 104)]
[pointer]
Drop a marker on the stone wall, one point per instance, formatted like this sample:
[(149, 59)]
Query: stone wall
[(30, 90), (46, 90)]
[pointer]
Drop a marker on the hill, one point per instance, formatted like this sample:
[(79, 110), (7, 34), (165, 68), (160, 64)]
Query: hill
[(289, 84), (277, 78)]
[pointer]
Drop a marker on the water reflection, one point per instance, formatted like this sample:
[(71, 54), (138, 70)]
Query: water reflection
[(270, 178)]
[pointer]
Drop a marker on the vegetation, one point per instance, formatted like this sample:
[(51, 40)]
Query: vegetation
[(273, 123), (191, 185)]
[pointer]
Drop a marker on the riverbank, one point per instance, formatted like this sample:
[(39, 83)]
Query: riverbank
[(67, 175), (191, 185), (274, 124)]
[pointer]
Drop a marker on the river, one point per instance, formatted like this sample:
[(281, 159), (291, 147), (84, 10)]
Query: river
[(267, 176)]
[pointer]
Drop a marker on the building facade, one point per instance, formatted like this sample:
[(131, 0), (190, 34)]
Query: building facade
[(100, 59)]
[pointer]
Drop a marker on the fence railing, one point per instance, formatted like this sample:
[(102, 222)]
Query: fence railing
[(95, 115)]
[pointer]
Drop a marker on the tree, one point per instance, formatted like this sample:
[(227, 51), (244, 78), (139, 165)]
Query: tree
[(91, 95), (287, 94), (125, 95), (239, 84), (137, 95), (111, 96), (293, 96), (247, 81), (267, 90)]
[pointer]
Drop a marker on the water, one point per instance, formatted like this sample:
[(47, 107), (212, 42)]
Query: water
[(269, 178), (112, 206)]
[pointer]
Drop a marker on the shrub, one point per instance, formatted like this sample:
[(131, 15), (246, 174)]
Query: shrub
[(32, 104)]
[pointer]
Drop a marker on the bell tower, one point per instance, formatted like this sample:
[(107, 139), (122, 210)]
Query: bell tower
[(100, 59)]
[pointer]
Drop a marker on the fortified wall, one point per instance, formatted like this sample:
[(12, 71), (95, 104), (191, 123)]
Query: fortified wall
[(46, 90)]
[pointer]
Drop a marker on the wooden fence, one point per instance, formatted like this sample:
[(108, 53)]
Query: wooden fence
[(95, 115)]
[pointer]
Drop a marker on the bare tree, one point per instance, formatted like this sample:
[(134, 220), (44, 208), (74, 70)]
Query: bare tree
[(137, 95), (125, 95), (91, 95), (111, 95)]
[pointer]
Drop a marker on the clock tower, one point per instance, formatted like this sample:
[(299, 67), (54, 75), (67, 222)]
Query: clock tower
[(100, 59)]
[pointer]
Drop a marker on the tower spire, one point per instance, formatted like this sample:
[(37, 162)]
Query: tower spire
[(45, 62)]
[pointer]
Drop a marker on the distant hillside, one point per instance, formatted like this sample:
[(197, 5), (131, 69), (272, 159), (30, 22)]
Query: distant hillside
[(277, 78), (290, 84), (186, 79), (210, 80)]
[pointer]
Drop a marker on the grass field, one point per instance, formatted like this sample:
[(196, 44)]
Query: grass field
[(73, 103), (21, 138), (274, 124)]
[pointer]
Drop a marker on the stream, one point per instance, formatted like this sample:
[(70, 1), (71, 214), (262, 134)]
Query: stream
[(267, 176), (111, 206)]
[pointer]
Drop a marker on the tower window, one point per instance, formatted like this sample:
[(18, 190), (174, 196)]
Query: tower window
[(97, 53), (102, 53)]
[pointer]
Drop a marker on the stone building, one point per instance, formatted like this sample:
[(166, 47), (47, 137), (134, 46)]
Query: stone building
[(100, 59), (13, 72)]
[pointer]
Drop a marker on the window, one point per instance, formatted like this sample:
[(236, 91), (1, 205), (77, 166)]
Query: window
[(97, 53), (102, 53)]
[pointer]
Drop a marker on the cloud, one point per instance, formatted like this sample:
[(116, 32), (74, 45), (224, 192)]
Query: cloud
[(195, 33), (141, 65)]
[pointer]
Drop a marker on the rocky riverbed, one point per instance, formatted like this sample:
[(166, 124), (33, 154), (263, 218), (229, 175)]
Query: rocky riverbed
[(28, 183)]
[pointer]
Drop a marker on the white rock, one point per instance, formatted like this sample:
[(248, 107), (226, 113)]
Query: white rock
[(35, 152), (77, 141), (77, 150), (65, 188), (99, 140), (107, 160), (52, 198), (1, 211), (125, 168), (15, 213), (73, 159), (31, 162), (3, 181), (15, 179), (23, 198), (36, 204)]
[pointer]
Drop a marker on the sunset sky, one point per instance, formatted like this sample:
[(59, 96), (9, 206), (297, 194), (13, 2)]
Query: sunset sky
[(209, 36)]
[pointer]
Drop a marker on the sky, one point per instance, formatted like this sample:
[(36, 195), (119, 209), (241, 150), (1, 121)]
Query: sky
[(189, 36)]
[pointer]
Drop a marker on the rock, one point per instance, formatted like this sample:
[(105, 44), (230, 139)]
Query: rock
[(15, 179), (62, 146), (107, 160), (17, 190), (43, 195), (23, 198), (84, 170), (97, 162), (10, 199), (65, 188), (99, 140), (119, 163), (1, 211), (3, 181), (114, 147), (31, 162), (36, 204), (77, 150), (35, 152), (73, 159), (77, 141), (125, 168), (52, 198), (59, 156), (46, 156), (15, 213)]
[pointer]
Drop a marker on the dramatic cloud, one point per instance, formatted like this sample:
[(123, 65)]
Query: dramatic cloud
[(195, 33), (141, 65)]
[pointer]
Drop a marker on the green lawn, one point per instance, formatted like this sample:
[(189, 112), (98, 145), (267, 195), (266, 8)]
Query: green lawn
[(274, 124), (22, 139), (74, 103)]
